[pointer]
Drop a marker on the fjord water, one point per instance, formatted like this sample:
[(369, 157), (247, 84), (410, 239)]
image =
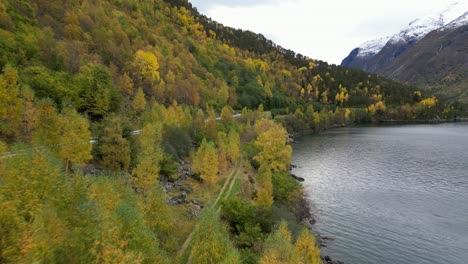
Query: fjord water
[(389, 195)]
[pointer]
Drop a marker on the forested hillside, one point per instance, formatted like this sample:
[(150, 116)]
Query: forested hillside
[(119, 141)]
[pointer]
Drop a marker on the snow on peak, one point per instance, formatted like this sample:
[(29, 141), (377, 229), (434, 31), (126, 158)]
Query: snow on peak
[(372, 47), (454, 15), (455, 11), (419, 28), (461, 21)]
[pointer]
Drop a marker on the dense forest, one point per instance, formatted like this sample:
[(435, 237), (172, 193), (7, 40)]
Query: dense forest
[(143, 132)]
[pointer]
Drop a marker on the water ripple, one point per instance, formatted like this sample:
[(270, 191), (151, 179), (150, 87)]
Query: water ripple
[(389, 194)]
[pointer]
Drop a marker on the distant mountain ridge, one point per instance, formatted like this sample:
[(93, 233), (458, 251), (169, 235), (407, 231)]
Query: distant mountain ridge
[(430, 52)]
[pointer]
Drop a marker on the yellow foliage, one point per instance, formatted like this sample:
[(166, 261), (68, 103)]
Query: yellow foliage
[(265, 187), (126, 84), (211, 243), (227, 115), (233, 146), (272, 140), (10, 103), (47, 132), (279, 249), (371, 109), (378, 107), (347, 115), (146, 64), (159, 218), (342, 96), (307, 249), (222, 159), (223, 94), (376, 98), (205, 162), (113, 147), (324, 97), (428, 102), (75, 147), (284, 231), (286, 74), (46, 234), (146, 173), (139, 102)]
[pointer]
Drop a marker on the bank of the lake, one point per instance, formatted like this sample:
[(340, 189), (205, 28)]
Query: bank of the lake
[(391, 194)]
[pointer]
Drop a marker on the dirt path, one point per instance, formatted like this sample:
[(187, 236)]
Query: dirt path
[(233, 174), (231, 186), (221, 193)]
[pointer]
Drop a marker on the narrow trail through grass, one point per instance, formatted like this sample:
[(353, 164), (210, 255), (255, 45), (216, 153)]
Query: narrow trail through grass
[(229, 182)]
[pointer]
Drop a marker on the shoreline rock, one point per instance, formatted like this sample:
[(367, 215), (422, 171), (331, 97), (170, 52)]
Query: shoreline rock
[(297, 178)]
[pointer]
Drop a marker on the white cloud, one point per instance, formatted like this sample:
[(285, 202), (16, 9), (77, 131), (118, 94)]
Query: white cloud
[(325, 29)]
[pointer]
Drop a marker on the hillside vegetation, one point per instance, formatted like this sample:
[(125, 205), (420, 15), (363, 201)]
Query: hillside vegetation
[(118, 134)]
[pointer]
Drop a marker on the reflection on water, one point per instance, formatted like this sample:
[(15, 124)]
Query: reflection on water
[(389, 194)]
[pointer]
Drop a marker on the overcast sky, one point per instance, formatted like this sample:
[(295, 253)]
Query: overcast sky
[(322, 29)]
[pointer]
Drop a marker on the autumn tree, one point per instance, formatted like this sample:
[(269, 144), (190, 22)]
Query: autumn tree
[(205, 162), (307, 249), (316, 121), (272, 141), (347, 115), (158, 216), (47, 132), (222, 152), (417, 96), (139, 102), (146, 68), (3, 153), (223, 94), (233, 146), (342, 96), (113, 148), (211, 243), (97, 90), (378, 108), (10, 103), (146, 173), (75, 147), (5, 21), (126, 84), (29, 185), (265, 187), (29, 122), (279, 248), (210, 124), (122, 236), (227, 116)]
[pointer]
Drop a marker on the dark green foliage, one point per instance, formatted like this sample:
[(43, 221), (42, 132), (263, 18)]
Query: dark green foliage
[(247, 222), (176, 142), (251, 150), (169, 167), (248, 256), (97, 95), (285, 188), (47, 83)]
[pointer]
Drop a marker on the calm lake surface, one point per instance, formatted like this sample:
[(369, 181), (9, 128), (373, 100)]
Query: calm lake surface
[(389, 195)]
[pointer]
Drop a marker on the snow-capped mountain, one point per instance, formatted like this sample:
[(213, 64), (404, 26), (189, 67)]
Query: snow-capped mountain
[(372, 47), (426, 52), (450, 17), (462, 20)]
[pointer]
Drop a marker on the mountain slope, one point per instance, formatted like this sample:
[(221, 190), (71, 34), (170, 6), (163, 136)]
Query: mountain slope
[(438, 62), (429, 52)]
